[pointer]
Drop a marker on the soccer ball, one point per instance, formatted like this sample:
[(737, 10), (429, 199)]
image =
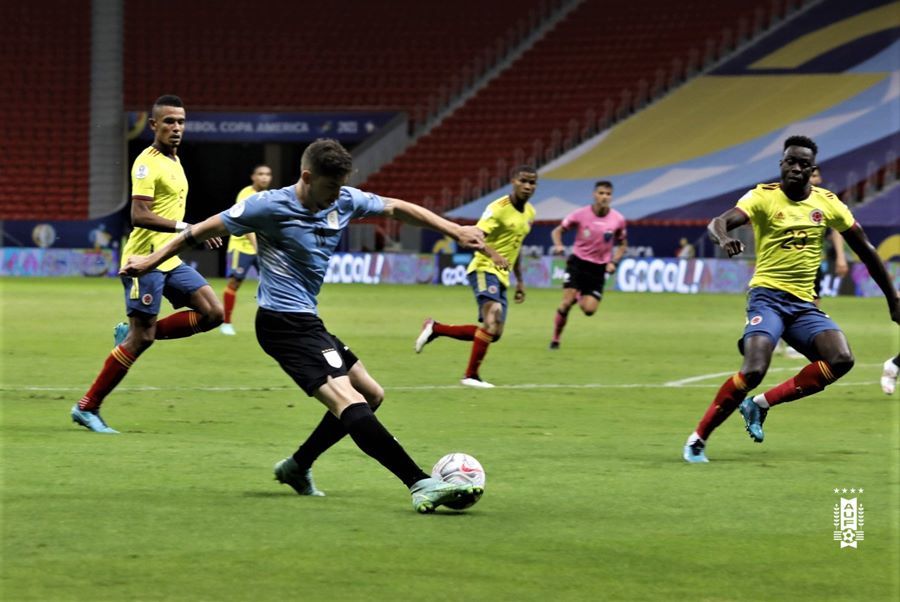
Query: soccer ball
[(461, 469)]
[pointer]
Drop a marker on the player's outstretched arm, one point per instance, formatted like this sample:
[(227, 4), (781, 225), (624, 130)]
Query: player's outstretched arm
[(718, 230), (859, 242), (142, 216), (192, 236), (413, 214), (556, 236)]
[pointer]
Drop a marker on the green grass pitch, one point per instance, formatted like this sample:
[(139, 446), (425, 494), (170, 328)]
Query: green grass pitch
[(587, 497)]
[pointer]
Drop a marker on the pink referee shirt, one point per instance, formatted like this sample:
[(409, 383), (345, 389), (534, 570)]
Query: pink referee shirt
[(595, 236)]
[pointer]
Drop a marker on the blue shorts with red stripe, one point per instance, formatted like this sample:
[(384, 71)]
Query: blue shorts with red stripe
[(144, 295), (487, 287), (777, 314), (239, 264)]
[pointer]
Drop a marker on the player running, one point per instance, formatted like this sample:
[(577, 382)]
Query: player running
[(159, 192), (506, 222), (601, 240), (789, 221)]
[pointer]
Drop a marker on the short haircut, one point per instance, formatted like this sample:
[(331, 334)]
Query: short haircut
[(604, 183), (258, 165), (803, 142), (167, 100), (326, 157), (522, 169)]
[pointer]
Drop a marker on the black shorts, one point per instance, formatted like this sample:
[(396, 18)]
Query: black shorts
[(303, 348), (586, 277)]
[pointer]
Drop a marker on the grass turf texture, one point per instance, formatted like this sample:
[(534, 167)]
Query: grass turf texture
[(587, 496)]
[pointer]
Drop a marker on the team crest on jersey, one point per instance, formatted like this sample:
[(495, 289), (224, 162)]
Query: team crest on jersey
[(237, 209), (333, 358), (141, 172), (332, 220), (147, 299), (816, 216)]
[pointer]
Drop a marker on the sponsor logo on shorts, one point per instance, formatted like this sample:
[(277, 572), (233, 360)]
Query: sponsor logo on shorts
[(333, 358), (147, 299), (816, 216), (755, 320)]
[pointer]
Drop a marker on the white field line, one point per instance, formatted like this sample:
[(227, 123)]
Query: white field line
[(691, 381)]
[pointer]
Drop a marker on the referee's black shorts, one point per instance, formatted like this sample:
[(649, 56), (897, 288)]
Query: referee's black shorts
[(586, 277), (303, 348)]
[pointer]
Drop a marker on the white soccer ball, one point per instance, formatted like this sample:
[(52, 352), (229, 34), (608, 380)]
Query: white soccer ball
[(461, 469)]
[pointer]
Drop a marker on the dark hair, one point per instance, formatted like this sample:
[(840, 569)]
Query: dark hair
[(522, 169), (604, 183), (803, 142), (258, 165), (167, 100), (326, 157)]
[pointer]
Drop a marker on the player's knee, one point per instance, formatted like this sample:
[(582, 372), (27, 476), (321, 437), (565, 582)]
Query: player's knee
[(842, 363), (214, 315), (142, 339), (753, 375), (589, 311), (374, 397)]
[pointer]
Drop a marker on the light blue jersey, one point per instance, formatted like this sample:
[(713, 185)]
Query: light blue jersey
[(294, 243)]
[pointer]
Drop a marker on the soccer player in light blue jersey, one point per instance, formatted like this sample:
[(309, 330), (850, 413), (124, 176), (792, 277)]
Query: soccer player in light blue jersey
[(297, 230)]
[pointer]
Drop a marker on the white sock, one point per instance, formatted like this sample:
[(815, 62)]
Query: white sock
[(761, 401), (694, 437)]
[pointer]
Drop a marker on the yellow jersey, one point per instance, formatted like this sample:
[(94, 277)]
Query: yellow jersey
[(160, 179), (241, 243), (789, 235), (504, 227)]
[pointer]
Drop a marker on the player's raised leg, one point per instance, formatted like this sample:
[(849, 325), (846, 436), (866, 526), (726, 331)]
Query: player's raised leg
[(186, 287), (372, 438), (432, 329), (832, 346)]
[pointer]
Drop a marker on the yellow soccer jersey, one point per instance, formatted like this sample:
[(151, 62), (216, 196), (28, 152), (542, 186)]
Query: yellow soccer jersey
[(242, 243), (159, 178), (789, 235), (504, 227)]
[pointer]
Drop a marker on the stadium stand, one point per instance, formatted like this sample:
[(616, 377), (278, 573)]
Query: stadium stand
[(46, 79), (597, 62), (341, 55), (692, 153)]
